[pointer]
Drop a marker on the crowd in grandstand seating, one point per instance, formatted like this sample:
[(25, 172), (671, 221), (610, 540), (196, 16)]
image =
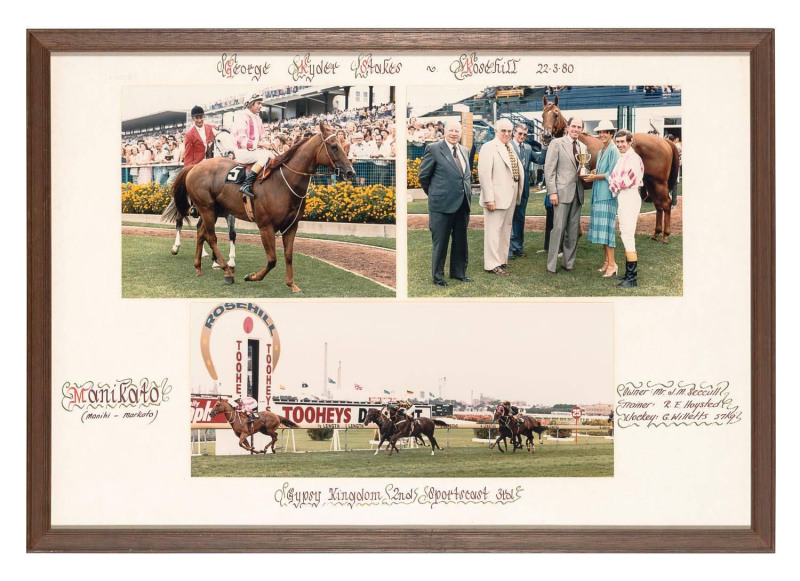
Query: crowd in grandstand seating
[(367, 133)]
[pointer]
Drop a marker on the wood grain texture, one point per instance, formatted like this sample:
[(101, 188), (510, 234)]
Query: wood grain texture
[(759, 537)]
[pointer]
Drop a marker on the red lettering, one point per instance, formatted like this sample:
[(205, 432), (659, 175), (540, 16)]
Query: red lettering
[(297, 415), (346, 415), (287, 411), (320, 415), (329, 415), (309, 415)]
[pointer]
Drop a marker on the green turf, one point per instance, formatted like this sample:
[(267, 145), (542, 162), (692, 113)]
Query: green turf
[(150, 271), (535, 205), (590, 457), (368, 240), (660, 270)]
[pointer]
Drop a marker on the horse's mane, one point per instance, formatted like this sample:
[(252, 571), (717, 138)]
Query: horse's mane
[(287, 155)]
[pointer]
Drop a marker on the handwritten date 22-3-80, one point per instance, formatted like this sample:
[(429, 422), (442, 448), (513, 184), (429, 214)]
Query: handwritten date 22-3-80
[(544, 68)]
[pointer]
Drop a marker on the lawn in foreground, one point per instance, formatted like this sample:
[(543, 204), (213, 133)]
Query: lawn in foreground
[(150, 271), (660, 270), (552, 459)]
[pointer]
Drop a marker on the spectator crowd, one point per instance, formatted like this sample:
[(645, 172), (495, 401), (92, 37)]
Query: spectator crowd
[(368, 135)]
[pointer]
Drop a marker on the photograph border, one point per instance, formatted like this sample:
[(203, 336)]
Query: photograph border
[(758, 44)]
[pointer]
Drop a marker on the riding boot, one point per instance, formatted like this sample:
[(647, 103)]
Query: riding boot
[(247, 184), (631, 262)]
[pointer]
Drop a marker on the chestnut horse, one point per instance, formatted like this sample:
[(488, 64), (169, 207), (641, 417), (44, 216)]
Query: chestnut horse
[(660, 158), (267, 423), (279, 201)]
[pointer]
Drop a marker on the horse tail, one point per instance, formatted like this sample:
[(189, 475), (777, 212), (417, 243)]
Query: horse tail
[(440, 423), (172, 216), (287, 423), (676, 165), (180, 195)]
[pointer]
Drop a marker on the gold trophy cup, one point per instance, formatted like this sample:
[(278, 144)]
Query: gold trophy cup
[(583, 159)]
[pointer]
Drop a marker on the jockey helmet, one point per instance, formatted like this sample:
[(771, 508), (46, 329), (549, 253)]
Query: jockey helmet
[(197, 110)]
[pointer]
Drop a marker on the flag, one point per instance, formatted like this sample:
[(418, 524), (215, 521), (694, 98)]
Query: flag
[(331, 381), (386, 391), (431, 395), (305, 385), (359, 386), (283, 386), (409, 392)]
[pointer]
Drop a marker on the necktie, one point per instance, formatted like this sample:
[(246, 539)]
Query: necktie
[(513, 159), (575, 152), (458, 159)]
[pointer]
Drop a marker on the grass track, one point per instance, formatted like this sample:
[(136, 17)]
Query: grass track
[(660, 270), (589, 458), (150, 271)]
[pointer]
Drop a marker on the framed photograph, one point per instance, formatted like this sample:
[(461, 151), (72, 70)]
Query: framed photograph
[(431, 295)]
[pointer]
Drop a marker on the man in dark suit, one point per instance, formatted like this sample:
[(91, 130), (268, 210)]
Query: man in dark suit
[(527, 156), (445, 177)]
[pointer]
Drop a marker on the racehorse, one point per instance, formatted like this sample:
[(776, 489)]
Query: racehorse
[(405, 427), (279, 200), (528, 426), (508, 429), (223, 146), (267, 423), (660, 157)]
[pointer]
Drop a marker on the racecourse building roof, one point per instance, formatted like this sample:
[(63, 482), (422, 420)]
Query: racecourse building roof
[(162, 119)]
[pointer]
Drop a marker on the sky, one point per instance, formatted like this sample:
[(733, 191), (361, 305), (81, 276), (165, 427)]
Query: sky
[(426, 99), (139, 101), (507, 350)]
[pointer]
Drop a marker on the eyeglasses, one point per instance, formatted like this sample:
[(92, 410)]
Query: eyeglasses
[(504, 131), (522, 133)]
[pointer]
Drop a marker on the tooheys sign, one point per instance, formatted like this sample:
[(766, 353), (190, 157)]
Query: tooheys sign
[(306, 415)]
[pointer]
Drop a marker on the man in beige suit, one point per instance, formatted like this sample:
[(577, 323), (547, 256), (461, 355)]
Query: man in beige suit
[(566, 194), (501, 175)]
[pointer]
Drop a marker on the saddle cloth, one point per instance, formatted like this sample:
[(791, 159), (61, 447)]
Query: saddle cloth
[(238, 172)]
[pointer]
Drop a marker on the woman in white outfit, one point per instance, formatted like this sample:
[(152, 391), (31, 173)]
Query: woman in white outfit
[(624, 181)]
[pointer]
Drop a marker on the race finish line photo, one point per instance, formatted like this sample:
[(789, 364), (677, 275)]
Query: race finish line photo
[(335, 413), (300, 179)]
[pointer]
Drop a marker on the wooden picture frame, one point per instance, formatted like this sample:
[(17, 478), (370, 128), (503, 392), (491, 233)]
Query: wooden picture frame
[(760, 537)]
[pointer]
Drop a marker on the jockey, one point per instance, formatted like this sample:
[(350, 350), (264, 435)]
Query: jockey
[(387, 410), (511, 410), (249, 406), (249, 133), (406, 409)]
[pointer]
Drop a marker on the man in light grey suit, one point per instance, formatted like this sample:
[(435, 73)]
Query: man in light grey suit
[(566, 194), (445, 175)]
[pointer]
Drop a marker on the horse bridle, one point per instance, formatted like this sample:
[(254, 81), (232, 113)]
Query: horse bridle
[(323, 142)]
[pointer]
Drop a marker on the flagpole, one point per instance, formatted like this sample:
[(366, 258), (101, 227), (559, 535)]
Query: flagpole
[(325, 372), (339, 377)]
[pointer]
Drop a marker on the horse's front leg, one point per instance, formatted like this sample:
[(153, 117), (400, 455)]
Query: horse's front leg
[(667, 222), (211, 238), (232, 236), (198, 252), (177, 246), (288, 252), (268, 240)]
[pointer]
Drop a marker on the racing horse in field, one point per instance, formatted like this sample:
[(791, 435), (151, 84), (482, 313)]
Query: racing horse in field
[(392, 429), (279, 197), (516, 428), (223, 146), (660, 157), (267, 423)]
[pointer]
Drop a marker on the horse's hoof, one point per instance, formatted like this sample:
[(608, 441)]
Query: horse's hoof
[(174, 251), (228, 280), (215, 266), (297, 292), (249, 277), (198, 274), (665, 240)]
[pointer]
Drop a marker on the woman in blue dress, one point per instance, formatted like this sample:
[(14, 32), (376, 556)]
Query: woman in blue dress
[(603, 218)]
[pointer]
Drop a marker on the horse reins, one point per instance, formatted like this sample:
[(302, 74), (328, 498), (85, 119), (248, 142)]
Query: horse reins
[(310, 175)]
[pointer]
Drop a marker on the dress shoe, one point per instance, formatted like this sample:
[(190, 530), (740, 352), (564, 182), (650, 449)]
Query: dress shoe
[(440, 283), (504, 265), (498, 271), (551, 272), (465, 279), (542, 251)]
